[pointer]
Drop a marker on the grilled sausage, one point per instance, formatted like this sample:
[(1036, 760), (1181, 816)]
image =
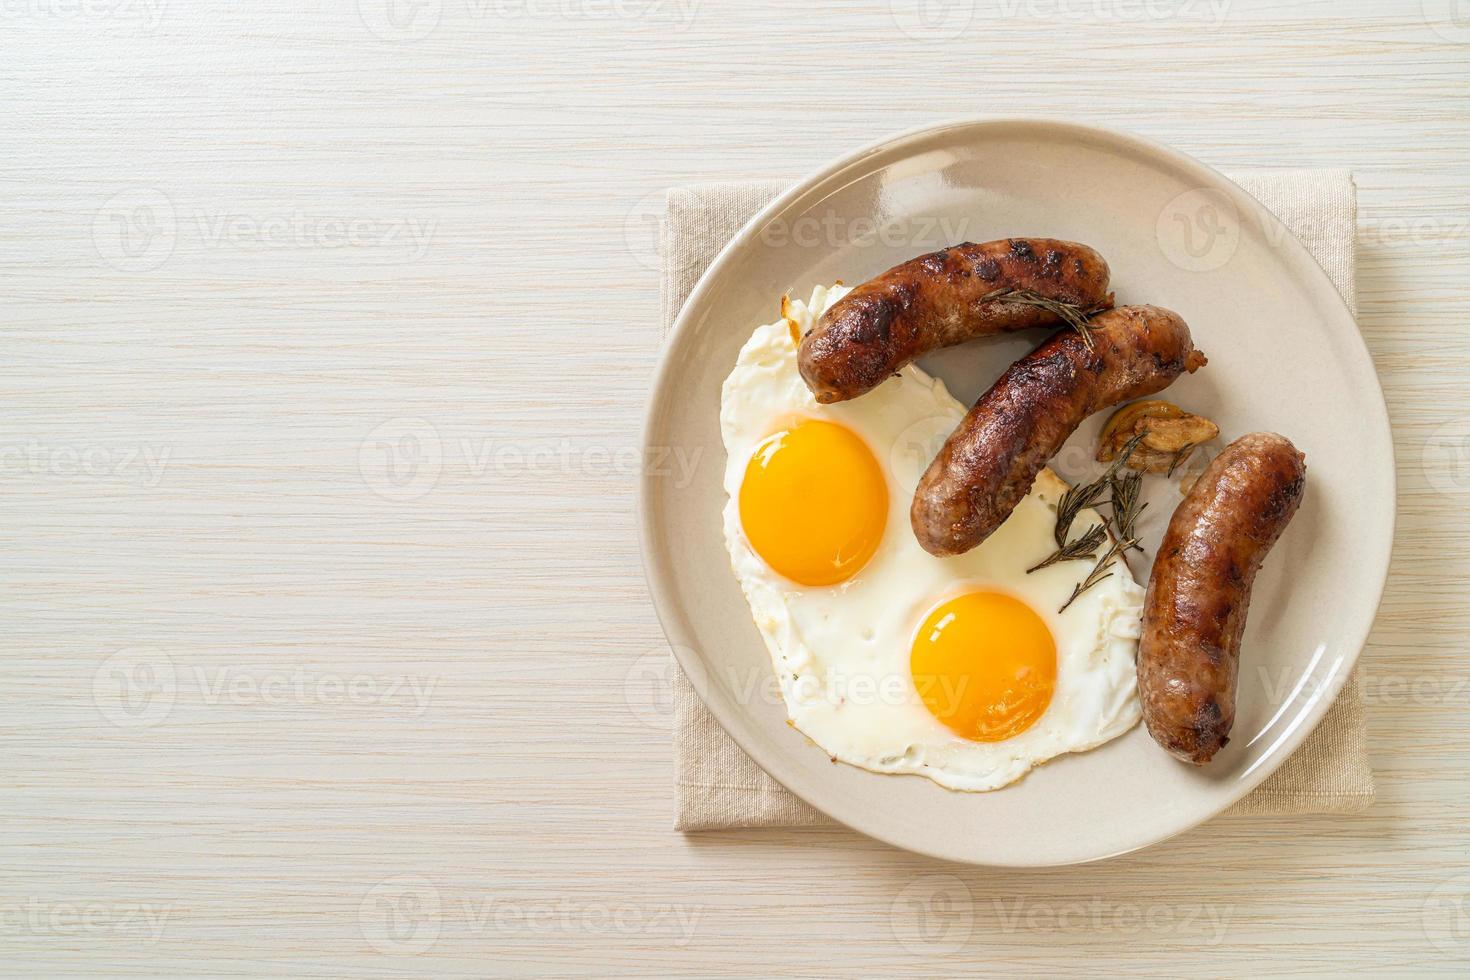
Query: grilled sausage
[(939, 300), (1200, 588), (989, 462)]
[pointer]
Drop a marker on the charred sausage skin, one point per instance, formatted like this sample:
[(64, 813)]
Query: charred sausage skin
[(1200, 589), (990, 461), (938, 300)]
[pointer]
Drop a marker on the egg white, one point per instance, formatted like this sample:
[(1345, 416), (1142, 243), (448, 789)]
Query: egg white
[(841, 653)]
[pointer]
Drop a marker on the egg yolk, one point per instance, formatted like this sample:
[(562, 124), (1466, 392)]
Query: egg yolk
[(985, 665), (814, 502)]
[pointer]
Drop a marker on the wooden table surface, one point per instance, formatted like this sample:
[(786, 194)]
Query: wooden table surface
[(327, 332)]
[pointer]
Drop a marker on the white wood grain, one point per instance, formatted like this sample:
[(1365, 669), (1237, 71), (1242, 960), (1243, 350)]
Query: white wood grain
[(440, 225)]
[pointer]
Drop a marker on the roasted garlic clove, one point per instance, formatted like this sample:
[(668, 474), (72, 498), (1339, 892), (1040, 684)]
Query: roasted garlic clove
[(1171, 435), (1174, 435)]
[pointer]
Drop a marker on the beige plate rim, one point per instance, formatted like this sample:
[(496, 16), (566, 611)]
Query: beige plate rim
[(659, 573)]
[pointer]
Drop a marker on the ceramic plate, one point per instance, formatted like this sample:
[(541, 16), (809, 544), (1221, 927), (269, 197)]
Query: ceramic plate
[(1285, 355)]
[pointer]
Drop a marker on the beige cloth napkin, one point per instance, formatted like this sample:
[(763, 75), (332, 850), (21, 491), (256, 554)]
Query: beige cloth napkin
[(718, 786)]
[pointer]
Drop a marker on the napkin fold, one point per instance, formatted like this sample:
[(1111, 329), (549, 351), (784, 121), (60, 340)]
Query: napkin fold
[(717, 786)]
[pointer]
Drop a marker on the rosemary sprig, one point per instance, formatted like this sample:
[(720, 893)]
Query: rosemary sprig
[(1124, 503), (1126, 506), (1084, 495), (1125, 492), (1084, 547), (1068, 507), (1179, 457), (1073, 501), (1100, 570), (1123, 455), (1070, 313)]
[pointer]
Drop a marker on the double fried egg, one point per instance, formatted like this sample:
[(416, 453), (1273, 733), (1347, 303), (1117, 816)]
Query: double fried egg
[(962, 669)]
